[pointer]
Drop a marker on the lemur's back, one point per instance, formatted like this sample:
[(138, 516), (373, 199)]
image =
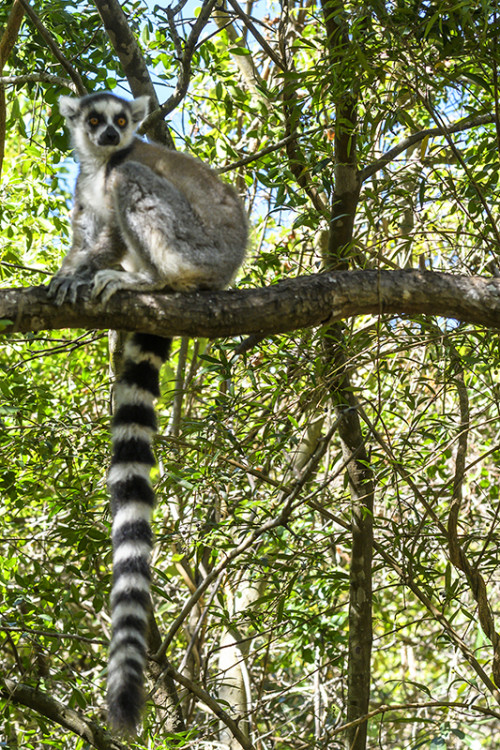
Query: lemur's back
[(215, 202)]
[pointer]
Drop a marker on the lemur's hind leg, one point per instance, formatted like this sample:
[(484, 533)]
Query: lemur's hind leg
[(164, 237), (109, 281)]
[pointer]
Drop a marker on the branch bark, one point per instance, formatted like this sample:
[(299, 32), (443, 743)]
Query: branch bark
[(295, 303), (345, 197), (54, 47), (56, 711), (7, 42), (457, 554)]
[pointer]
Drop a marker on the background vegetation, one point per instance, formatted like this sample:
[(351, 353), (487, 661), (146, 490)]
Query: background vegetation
[(326, 569)]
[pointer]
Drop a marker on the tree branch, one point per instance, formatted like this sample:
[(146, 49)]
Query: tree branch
[(295, 303), (288, 498), (256, 34), (52, 709), (435, 612), (457, 554), (458, 127), (134, 66), (38, 77), (165, 693), (11, 31), (186, 60), (214, 706), (7, 42), (54, 47), (244, 63)]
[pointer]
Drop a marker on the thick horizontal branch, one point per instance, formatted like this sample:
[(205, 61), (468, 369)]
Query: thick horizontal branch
[(295, 303)]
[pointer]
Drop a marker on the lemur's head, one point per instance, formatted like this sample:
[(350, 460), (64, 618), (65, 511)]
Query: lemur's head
[(102, 123)]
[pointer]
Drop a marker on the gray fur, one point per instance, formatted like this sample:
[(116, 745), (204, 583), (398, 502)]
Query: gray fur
[(144, 218), (159, 219)]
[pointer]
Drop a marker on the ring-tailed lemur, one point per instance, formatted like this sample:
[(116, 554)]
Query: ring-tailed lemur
[(144, 218)]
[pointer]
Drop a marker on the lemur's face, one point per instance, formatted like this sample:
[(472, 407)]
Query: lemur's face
[(102, 123)]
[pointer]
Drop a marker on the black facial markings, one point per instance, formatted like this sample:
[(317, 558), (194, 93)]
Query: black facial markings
[(121, 120), (94, 119)]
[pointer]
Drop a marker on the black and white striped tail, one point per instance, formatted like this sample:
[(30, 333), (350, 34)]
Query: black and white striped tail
[(132, 501)]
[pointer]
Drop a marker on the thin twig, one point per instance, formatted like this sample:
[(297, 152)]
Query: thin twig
[(268, 149), (52, 634), (54, 48), (256, 34), (184, 76), (289, 496), (212, 704), (406, 143), (385, 708)]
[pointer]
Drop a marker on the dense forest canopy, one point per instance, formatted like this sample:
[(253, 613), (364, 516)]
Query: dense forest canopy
[(326, 567)]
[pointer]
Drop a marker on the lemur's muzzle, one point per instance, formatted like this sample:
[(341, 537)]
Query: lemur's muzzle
[(109, 137)]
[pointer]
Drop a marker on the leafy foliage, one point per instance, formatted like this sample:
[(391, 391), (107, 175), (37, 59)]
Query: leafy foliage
[(270, 639)]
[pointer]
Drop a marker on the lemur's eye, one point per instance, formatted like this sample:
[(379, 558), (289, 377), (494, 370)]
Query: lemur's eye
[(121, 121), (94, 121)]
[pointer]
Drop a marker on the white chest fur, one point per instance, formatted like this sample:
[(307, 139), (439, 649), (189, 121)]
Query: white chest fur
[(93, 193)]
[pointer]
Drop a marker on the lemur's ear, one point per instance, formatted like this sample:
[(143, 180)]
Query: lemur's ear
[(69, 106), (140, 108)]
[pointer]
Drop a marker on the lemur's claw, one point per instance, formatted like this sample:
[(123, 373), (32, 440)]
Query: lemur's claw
[(106, 283), (64, 289)]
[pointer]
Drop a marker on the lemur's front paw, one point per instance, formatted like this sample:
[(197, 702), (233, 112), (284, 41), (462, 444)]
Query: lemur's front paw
[(65, 288)]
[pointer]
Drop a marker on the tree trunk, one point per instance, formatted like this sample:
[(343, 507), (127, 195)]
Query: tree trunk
[(344, 203)]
